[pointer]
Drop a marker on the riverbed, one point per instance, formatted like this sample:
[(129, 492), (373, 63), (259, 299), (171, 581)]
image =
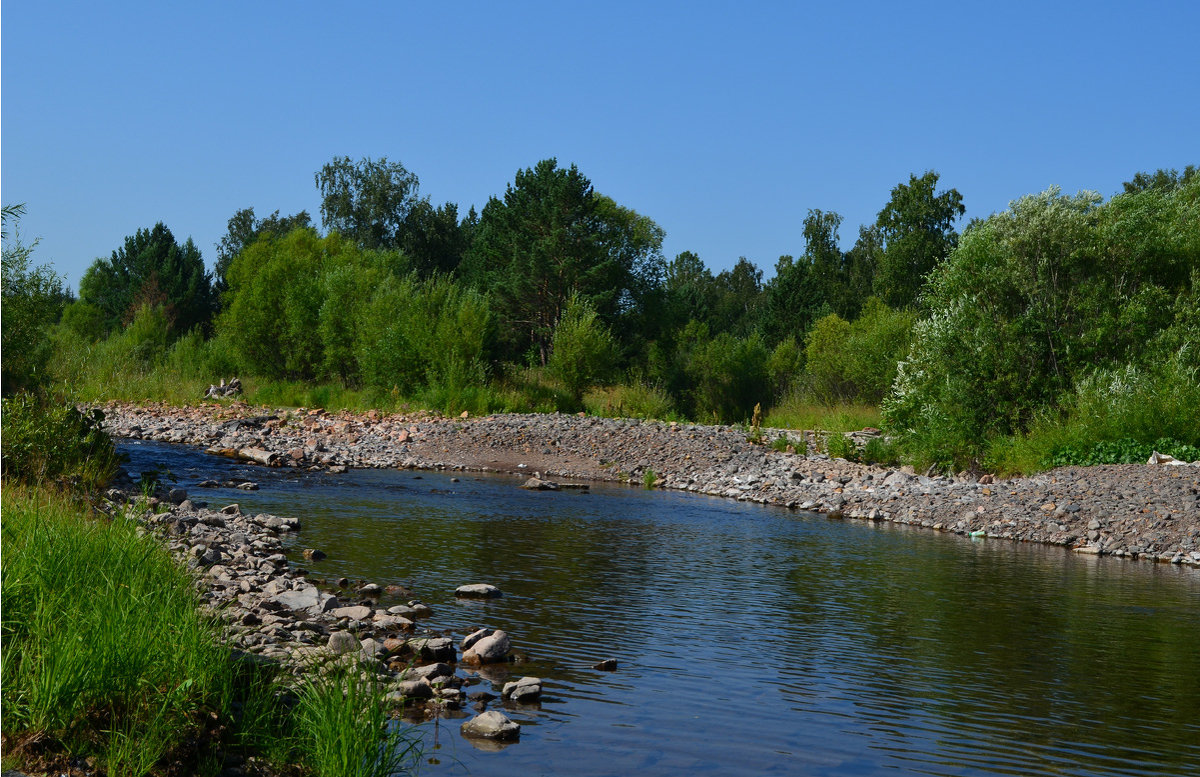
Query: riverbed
[(753, 639)]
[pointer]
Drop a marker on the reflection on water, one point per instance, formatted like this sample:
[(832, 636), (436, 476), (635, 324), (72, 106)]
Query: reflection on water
[(755, 640)]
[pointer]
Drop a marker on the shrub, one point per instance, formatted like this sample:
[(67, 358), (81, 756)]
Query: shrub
[(857, 361), (33, 298), (728, 375), (583, 349), (1033, 300), (44, 442)]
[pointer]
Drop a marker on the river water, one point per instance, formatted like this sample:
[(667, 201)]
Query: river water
[(755, 640)]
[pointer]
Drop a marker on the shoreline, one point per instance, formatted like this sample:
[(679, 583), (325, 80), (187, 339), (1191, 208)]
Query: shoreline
[(1137, 511)]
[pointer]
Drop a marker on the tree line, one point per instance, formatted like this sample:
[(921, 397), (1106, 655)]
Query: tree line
[(983, 333)]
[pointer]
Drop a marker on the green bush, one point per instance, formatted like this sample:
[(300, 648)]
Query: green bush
[(32, 300), (1035, 299), (583, 351), (729, 377), (45, 442), (857, 361), (839, 446), (784, 366)]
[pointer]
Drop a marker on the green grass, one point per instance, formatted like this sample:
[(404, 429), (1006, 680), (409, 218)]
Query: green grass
[(796, 413), (343, 730), (109, 655), (630, 400), (106, 649)]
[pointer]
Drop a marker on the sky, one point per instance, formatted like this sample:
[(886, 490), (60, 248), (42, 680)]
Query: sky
[(724, 123)]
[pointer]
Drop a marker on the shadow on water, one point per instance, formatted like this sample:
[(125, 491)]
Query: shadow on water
[(756, 640)]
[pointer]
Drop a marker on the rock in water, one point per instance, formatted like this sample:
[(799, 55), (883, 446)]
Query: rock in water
[(491, 725), (526, 689), (478, 591), (486, 646)]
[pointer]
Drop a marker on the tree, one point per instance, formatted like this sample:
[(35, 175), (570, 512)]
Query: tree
[(822, 252), (793, 300), (151, 268), (584, 349), (917, 227), (243, 229), (1161, 180), (367, 202), (434, 238), (739, 299), (551, 237), (32, 299)]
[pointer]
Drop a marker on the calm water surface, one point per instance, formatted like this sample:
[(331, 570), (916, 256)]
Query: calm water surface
[(757, 640)]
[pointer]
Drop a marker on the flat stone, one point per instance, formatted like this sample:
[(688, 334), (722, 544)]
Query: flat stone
[(478, 591), (354, 613)]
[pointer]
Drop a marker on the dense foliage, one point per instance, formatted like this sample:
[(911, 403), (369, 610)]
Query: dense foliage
[(1042, 298), (980, 347)]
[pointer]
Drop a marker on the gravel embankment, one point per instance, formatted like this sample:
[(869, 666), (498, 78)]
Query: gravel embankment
[(1131, 511)]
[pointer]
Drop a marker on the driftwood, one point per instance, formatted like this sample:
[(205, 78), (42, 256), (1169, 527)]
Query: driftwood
[(225, 390)]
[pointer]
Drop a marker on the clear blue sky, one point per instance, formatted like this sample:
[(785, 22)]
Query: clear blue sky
[(723, 122)]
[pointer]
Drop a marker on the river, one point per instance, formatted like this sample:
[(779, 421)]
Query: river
[(756, 640)]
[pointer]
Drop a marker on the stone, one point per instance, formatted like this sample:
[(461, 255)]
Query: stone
[(415, 689), (308, 600), (177, 496), (526, 689), (342, 642), (607, 665), (312, 554), (354, 613), (477, 591), (537, 484), (427, 672), (490, 648), (491, 725), (372, 590)]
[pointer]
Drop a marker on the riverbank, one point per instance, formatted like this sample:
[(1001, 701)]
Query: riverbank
[(1127, 511)]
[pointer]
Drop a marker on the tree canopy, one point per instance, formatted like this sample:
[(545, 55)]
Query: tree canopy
[(151, 268)]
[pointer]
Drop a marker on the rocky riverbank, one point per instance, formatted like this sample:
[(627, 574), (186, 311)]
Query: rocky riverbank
[(1129, 511), (274, 613)]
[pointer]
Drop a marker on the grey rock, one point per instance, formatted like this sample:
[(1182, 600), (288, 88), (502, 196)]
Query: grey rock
[(354, 613), (477, 591), (491, 725), (526, 689), (489, 649), (342, 642)]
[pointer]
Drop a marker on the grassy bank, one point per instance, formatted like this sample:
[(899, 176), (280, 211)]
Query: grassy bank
[(109, 656)]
